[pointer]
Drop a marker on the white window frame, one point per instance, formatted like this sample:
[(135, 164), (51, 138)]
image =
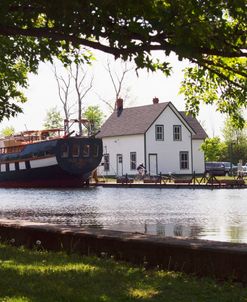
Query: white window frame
[(133, 163), (107, 162), (184, 163), (159, 132), (177, 132)]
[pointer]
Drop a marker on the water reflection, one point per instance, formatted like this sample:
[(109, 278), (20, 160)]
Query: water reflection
[(216, 215)]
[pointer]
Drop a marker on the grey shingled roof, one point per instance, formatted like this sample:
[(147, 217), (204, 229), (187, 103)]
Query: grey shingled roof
[(137, 120), (195, 125)]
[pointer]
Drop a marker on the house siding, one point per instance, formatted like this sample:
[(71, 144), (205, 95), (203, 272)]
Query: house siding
[(198, 154), (123, 145), (168, 150), (134, 131)]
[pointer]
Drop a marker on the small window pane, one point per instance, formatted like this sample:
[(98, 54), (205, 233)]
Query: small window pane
[(106, 162), (95, 150), (120, 159), (85, 150), (159, 132), (132, 160), (177, 133), (75, 150), (184, 160), (64, 151)]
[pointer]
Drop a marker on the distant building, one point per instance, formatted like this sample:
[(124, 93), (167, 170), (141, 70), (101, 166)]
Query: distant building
[(157, 135)]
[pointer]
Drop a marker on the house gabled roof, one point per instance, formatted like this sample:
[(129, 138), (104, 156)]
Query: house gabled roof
[(137, 120), (195, 125), (133, 120)]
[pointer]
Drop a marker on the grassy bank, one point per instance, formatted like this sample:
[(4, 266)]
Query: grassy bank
[(41, 276)]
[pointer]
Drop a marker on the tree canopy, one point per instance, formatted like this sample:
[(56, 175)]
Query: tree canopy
[(53, 119), (211, 34), (95, 117)]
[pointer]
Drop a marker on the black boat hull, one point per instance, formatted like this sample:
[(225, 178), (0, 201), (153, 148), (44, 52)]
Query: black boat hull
[(53, 163)]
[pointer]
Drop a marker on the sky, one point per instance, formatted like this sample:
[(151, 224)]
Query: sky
[(42, 94)]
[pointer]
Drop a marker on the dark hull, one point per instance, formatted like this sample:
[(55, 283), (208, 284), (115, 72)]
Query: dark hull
[(45, 164)]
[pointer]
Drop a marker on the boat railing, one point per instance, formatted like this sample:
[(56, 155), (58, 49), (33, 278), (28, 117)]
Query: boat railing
[(12, 149)]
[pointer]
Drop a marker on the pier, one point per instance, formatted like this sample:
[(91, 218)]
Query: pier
[(160, 181)]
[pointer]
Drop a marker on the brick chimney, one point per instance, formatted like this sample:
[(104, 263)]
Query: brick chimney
[(155, 100), (119, 106)]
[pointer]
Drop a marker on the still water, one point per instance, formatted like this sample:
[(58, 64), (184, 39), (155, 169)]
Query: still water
[(206, 214)]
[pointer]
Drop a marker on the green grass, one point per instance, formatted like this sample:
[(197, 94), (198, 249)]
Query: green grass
[(27, 275)]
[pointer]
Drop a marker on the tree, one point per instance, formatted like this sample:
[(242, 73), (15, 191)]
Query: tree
[(211, 34), (82, 89), (118, 80), (236, 141), (95, 118), (8, 131), (64, 90), (53, 119), (232, 134), (74, 84), (213, 149)]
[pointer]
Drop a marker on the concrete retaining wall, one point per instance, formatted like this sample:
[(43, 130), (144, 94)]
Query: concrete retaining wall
[(201, 257)]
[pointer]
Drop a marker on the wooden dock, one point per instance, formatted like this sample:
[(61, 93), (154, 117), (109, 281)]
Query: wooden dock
[(176, 183)]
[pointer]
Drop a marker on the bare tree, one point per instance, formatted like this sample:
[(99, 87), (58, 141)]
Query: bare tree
[(118, 80), (82, 88), (73, 85), (64, 92)]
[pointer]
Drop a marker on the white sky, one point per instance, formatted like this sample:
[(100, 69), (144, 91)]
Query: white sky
[(43, 95)]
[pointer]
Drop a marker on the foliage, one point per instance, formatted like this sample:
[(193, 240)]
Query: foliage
[(213, 149), (233, 148), (210, 34), (41, 276), (238, 151), (7, 131), (233, 134), (236, 141), (53, 119), (95, 118)]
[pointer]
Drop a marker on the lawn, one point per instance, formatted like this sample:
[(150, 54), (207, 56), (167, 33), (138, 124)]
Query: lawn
[(29, 275)]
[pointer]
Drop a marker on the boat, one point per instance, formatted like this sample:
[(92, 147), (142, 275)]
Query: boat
[(48, 158)]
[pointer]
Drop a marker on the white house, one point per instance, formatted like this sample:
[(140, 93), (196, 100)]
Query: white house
[(157, 135)]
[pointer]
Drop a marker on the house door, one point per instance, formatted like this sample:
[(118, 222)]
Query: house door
[(119, 164), (152, 164)]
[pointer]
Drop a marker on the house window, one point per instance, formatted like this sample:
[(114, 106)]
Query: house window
[(159, 132), (184, 160), (132, 160), (106, 162), (177, 133)]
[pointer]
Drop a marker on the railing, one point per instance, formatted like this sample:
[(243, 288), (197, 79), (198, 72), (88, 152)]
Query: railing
[(9, 150)]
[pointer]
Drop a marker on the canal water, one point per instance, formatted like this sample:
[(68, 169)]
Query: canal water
[(219, 214)]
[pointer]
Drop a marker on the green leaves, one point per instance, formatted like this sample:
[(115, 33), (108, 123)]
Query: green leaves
[(222, 81), (95, 118), (211, 34), (53, 119), (213, 149)]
